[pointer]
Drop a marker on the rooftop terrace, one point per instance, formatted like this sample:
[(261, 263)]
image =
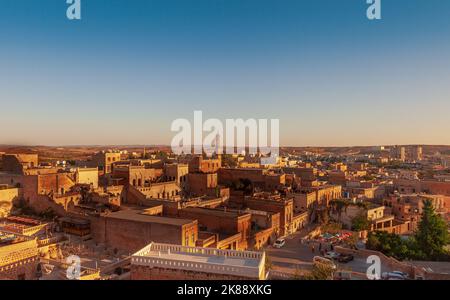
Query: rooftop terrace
[(227, 262)]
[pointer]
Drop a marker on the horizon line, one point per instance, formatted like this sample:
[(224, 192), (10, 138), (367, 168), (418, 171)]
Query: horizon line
[(166, 145)]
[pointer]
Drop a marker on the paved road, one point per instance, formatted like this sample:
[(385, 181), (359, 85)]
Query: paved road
[(292, 256), (360, 265), (295, 256)]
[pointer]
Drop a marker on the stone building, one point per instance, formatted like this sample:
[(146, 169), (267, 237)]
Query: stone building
[(233, 226), (338, 177), (267, 180), (17, 163), (198, 164), (137, 176), (104, 160), (265, 228), (8, 196), (315, 196), (178, 173), (303, 200), (87, 176), (24, 226), (133, 229), (409, 207), (161, 190), (19, 257), (307, 174), (39, 190), (433, 187), (174, 262), (379, 218), (201, 183), (274, 203)]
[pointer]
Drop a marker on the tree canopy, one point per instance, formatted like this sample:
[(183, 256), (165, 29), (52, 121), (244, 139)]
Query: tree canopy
[(428, 242), (432, 234), (360, 223)]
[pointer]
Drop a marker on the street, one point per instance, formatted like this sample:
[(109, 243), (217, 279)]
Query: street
[(295, 257)]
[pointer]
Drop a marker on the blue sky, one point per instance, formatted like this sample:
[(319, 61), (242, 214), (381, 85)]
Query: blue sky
[(124, 72)]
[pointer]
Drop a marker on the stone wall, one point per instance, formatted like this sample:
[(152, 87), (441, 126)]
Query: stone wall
[(15, 163), (147, 273), (19, 261), (131, 235), (199, 183), (87, 176)]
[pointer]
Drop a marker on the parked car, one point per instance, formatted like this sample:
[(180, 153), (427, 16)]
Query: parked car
[(345, 258), (331, 255), (279, 243), (394, 275), (401, 273), (324, 261)]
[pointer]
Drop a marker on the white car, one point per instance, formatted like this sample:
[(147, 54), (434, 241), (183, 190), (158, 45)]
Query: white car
[(279, 243)]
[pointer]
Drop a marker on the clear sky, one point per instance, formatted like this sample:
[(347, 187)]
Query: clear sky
[(124, 72)]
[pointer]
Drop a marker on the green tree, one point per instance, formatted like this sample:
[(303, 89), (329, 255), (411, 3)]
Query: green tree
[(388, 243), (332, 228), (393, 245), (427, 244), (432, 234), (320, 272), (339, 205), (360, 223)]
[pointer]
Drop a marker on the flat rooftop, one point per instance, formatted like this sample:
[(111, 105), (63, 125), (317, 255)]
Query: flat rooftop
[(210, 259), (9, 238), (216, 212), (383, 219), (25, 221), (245, 169), (238, 263), (140, 216)]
